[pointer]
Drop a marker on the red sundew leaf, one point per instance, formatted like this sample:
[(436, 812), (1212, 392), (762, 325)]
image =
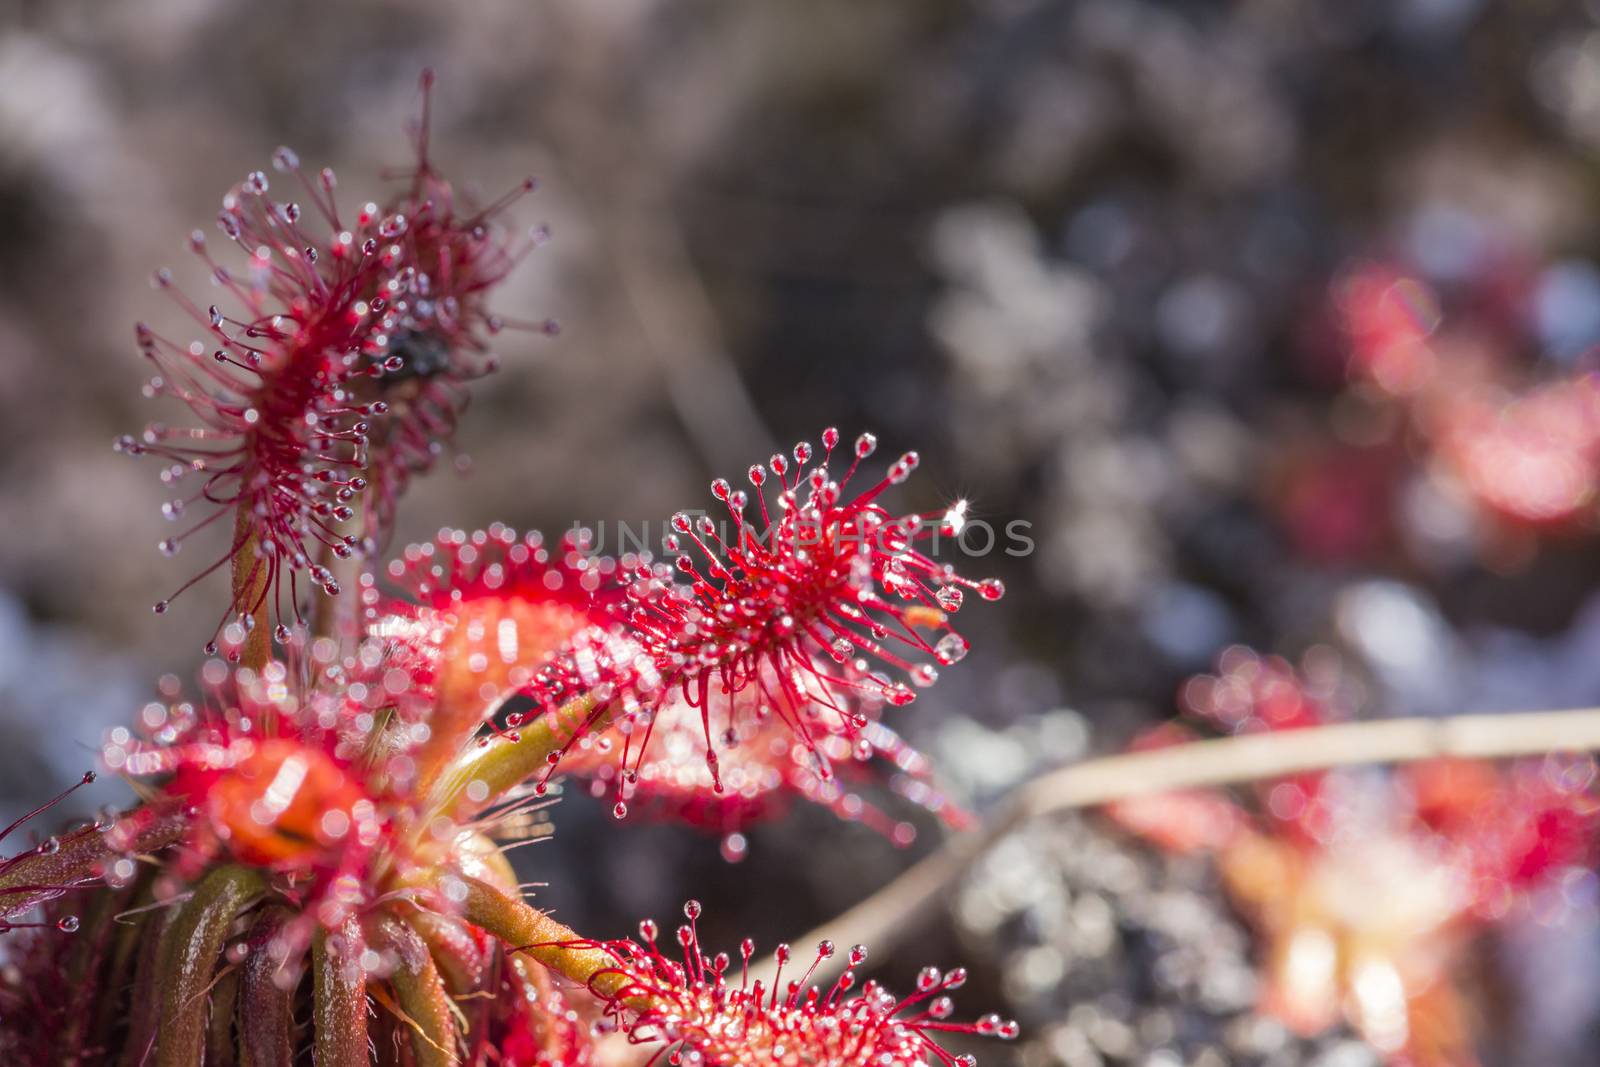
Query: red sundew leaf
[(332, 372), (688, 1004), (499, 607), (803, 610)]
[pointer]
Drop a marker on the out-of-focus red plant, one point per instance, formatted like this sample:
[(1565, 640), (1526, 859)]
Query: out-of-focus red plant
[(1517, 445), (1366, 887)]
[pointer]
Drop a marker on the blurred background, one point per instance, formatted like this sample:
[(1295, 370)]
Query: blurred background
[(1272, 319)]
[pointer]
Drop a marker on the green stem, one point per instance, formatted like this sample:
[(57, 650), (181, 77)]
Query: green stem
[(145, 1011), (337, 616), (525, 928), (502, 765), (189, 955), (220, 1048), (266, 1018), (340, 1019), (454, 950), (420, 991), (250, 590)]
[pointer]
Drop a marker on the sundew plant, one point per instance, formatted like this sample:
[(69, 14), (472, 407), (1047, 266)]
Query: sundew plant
[(314, 870)]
